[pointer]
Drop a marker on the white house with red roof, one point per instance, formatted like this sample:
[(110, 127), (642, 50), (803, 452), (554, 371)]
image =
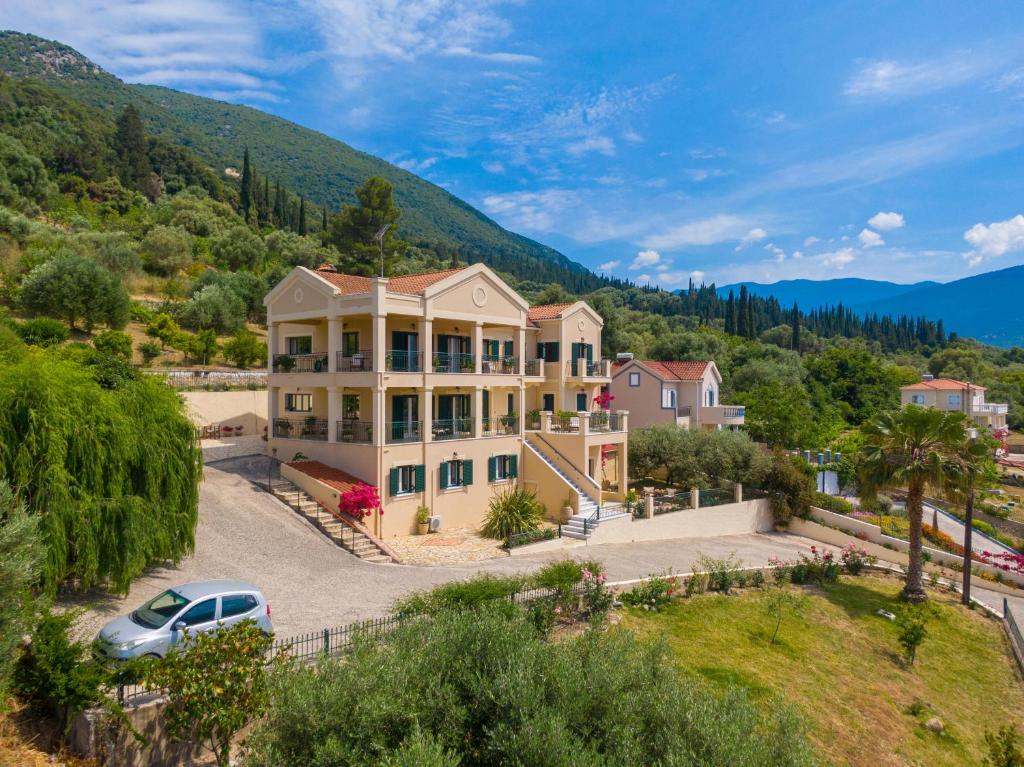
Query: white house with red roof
[(950, 395), (683, 392)]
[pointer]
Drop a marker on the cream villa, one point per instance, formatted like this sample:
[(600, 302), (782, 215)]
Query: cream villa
[(949, 394), (441, 389), (681, 393)]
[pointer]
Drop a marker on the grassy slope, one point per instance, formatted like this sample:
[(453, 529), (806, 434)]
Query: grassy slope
[(838, 663)]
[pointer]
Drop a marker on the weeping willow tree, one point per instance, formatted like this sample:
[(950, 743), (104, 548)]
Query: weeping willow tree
[(111, 468)]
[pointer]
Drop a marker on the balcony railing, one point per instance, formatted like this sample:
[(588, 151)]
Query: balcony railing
[(592, 369), (535, 367), (733, 412), (500, 425), (683, 411), (533, 420), (402, 361), (565, 423), (311, 427), (490, 363), (404, 431), (446, 362), (359, 362), (300, 363), (355, 432), (599, 422), (452, 428), (992, 407), (603, 422), (599, 368)]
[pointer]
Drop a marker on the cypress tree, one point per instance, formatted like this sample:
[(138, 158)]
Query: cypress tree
[(265, 208), (795, 342), (132, 150), (743, 314), (730, 314), (278, 219), (245, 195), (303, 229)]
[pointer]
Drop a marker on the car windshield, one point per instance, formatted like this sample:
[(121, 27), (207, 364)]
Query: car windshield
[(160, 609)]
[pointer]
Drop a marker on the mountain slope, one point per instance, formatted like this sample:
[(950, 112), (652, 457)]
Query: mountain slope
[(986, 307), (323, 169), (811, 294)]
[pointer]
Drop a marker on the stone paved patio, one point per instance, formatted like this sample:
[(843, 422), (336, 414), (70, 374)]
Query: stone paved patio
[(450, 547)]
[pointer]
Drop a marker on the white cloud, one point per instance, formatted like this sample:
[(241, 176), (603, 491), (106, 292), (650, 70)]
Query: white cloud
[(808, 241), (645, 258), (885, 222), (417, 166), (775, 118), (533, 211), (703, 174), (609, 266), (778, 253), (707, 231), (600, 144), (870, 239), (838, 258), (697, 275), (493, 167), (890, 79), (751, 237), (632, 136), (501, 57), (643, 279), (995, 240)]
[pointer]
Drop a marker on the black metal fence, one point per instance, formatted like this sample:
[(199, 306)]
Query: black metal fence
[(533, 536), (212, 380)]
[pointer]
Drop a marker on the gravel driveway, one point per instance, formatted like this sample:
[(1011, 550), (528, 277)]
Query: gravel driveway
[(247, 534)]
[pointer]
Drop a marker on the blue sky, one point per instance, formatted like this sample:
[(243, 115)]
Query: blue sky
[(654, 141)]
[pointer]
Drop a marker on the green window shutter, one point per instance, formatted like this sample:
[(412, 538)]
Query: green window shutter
[(492, 463), (552, 351), (513, 466), (508, 348), (467, 473), (540, 350), (443, 474), (590, 353), (393, 482), (421, 478), (575, 359)]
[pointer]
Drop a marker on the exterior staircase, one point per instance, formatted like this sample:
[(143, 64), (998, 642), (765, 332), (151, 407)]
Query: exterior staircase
[(341, 533), (590, 514)]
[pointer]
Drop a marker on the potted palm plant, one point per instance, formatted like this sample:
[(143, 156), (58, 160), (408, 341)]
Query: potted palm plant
[(423, 520), (567, 509)]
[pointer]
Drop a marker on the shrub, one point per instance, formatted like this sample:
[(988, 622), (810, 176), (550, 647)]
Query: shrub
[(911, 622), (75, 288), (1003, 748), (166, 250), (790, 489), (652, 594), (780, 601), (239, 247), (43, 331), (21, 563), (149, 350), (494, 692), (459, 595), (722, 572), (817, 568), (213, 307), (514, 510), (697, 583), (855, 559), (560, 574), (115, 343), (245, 349), (597, 600), (832, 503)]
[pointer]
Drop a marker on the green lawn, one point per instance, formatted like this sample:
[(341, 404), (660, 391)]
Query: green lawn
[(840, 664)]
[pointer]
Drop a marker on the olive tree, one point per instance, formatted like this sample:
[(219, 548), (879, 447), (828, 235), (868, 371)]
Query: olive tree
[(76, 289)]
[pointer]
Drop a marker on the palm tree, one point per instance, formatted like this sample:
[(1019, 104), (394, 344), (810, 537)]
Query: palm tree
[(911, 448)]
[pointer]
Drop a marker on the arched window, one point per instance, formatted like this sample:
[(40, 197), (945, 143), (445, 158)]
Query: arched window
[(711, 397)]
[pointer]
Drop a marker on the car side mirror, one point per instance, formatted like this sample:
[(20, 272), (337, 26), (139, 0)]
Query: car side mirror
[(179, 626)]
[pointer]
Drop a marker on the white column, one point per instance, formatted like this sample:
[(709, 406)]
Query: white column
[(380, 343), (273, 396), (333, 343), (478, 410), (427, 412), (478, 345), (521, 349), (332, 413), (273, 333), (425, 327), (379, 412)]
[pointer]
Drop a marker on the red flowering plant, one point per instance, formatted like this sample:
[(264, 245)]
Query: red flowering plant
[(604, 400), (360, 502), (1005, 561)]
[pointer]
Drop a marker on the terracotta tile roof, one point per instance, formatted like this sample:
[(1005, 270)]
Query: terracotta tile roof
[(546, 312), (413, 284), (941, 384), (336, 478), (678, 370)]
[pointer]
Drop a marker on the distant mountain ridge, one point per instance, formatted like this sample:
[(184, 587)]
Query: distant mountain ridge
[(812, 294), (324, 169)]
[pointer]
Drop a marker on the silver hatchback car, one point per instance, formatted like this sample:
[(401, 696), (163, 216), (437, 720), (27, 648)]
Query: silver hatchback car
[(161, 623)]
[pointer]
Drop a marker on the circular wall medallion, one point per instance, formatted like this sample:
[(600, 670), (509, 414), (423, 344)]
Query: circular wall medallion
[(480, 295), (297, 295), (582, 324)]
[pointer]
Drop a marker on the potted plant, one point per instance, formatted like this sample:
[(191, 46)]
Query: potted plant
[(239, 429), (422, 520), (533, 419), (466, 364), (283, 363), (440, 363), (631, 500), (567, 509), (565, 419)]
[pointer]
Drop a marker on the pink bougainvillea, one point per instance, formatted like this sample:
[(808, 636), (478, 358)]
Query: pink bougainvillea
[(360, 502), (604, 400)]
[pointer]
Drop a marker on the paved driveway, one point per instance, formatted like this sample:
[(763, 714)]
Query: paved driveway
[(247, 534)]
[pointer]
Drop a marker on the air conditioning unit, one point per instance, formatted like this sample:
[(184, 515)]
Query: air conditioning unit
[(435, 523)]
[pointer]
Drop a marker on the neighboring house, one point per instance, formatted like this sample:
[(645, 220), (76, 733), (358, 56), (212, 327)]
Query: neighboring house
[(442, 389), (950, 395), (681, 393)]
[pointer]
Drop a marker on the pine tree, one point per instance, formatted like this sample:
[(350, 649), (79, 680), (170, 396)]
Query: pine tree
[(795, 321), (303, 229), (132, 150), (245, 197)]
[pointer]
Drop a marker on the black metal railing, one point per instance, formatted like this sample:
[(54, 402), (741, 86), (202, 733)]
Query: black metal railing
[(604, 421), (358, 362), (499, 425), (567, 423), (533, 536), (596, 368), (356, 432), (446, 362), (301, 428), (401, 361), (716, 496), (491, 363), (667, 504), (534, 367), (300, 363), (212, 380), (404, 431), (452, 428)]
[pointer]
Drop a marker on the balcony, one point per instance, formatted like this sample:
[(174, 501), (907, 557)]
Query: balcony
[(502, 365), (300, 363), (991, 408), (599, 422), (592, 369), (446, 362), (397, 432), (535, 367), (604, 422), (500, 426), (359, 362), (724, 415), (452, 428), (311, 428), (355, 432), (402, 361)]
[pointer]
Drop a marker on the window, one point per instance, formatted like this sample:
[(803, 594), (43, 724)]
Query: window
[(204, 612), (954, 399), (349, 344), (547, 351), (456, 474), (157, 611), (511, 401), (300, 345), (549, 403), (404, 480), (711, 397), (502, 467), (917, 399), (634, 379), (350, 406), (237, 604), (668, 398), (298, 403)]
